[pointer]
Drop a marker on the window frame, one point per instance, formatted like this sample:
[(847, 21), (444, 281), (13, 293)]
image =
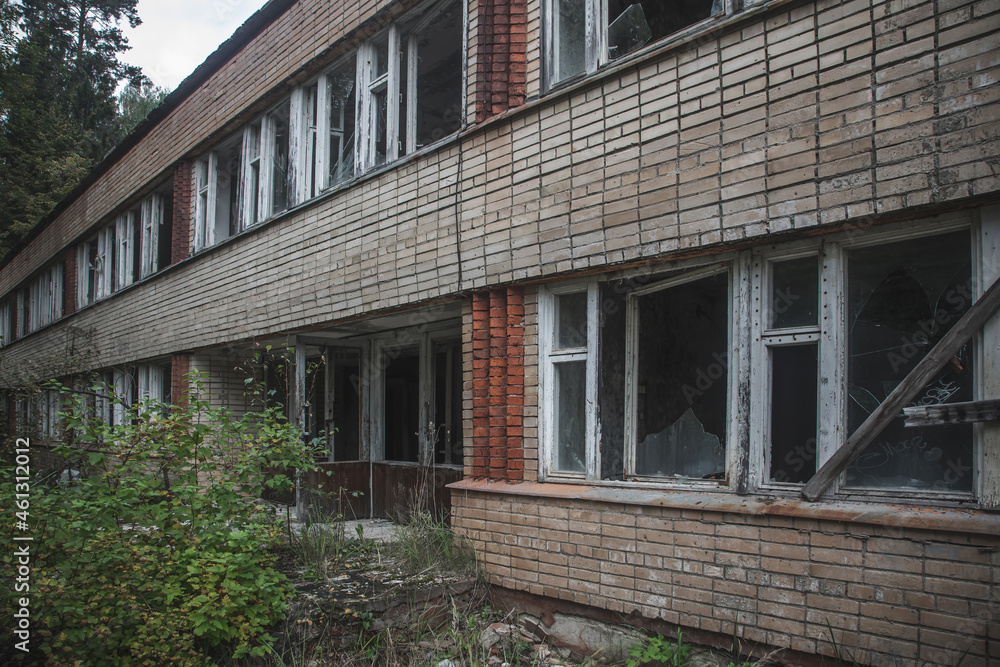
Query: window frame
[(748, 464), (596, 38)]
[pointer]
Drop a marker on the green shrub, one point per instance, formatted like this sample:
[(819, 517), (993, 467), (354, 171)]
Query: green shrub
[(660, 651), (159, 554)]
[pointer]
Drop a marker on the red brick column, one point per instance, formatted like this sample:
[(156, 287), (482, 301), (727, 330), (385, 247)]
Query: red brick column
[(180, 366), (515, 384), (501, 71), (69, 282), (480, 383), (498, 384), (180, 241)]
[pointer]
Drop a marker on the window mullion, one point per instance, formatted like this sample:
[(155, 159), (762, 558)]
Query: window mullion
[(592, 423), (392, 98), (832, 354)]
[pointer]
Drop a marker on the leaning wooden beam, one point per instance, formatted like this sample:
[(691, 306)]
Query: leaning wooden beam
[(906, 391), (952, 413)]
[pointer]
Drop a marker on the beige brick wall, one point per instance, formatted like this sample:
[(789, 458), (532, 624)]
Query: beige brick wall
[(889, 594), (793, 116)]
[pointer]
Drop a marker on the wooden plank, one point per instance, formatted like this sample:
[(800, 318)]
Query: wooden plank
[(906, 391), (952, 413)]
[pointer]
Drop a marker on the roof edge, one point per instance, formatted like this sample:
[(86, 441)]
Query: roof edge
[(250, 28)]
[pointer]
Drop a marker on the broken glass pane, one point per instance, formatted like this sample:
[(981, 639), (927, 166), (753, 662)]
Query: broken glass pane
[(793, 412), (628, 32), (342, 112), (794, 293), (660, 18), (571, 321), (901, 300), (279, 160), (682, 380), (570, 418)]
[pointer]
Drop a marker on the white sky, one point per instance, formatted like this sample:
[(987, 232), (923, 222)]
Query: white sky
[(176, 36)]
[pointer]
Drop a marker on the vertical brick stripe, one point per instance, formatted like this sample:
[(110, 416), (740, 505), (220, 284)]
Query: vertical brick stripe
[(180, 366), (501, 69), (180, 240), (498, 384), (69, 282), (480, 383)]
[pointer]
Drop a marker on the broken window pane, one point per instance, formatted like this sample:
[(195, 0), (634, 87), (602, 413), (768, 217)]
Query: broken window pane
[(571, 321), (279, 159), (794, 293), (660, 19), (439, 78), (682, 380), (901, 300), (402, 407), (793, 412), (342, 122), (570, 416), (628, 32)]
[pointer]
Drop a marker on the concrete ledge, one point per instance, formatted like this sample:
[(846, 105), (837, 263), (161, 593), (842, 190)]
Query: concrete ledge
[(953, 519)]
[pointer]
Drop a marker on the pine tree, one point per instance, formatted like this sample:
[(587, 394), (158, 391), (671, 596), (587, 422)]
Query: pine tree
[(58, 114)]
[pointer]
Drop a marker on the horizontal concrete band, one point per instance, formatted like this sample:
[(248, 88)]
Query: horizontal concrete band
[(953, 519)]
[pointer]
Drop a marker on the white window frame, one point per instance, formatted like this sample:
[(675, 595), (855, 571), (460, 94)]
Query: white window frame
[(548, 359), (124, 250), (5, 332), (749, 270), (40, 303), (150, 219), (595, 35)]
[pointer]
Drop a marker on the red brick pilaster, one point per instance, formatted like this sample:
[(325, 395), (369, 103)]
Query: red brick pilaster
[(480, 383), (180, 241), (180, 366), (515, 384), (498, 384), (501, 70), (69, 282)]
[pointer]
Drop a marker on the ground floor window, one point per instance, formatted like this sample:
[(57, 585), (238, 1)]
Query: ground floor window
[(759, 365)]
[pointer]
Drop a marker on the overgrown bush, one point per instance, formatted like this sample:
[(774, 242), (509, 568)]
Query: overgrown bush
[(158, 554)]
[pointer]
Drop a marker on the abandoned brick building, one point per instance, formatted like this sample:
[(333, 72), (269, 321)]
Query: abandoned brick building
[(615, 280)]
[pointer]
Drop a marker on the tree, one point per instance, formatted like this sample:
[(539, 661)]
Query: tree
[(58, 112), (134, 104)]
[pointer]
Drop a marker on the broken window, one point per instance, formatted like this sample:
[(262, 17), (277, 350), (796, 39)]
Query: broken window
[(637, 374), (341, 102), (901, 300), (410, 80), (586, 34), (217, 202), (680, 335), (41, 302)]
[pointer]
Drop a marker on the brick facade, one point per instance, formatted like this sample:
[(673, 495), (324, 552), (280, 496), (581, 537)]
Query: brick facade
[(888, 591), (790, 120), (501, 67)]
